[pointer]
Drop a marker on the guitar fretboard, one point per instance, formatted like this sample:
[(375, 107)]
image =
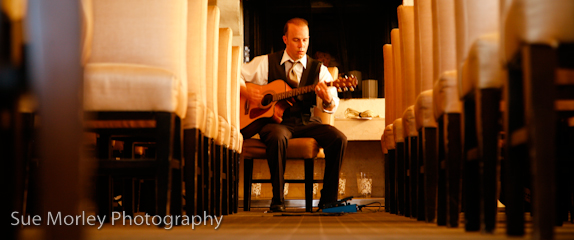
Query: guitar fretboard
[(294, 92)]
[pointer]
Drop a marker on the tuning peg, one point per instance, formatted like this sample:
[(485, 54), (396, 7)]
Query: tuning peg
[(352, 89)]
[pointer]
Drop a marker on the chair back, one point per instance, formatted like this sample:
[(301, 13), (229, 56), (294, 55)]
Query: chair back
[(126, 37), (423, 46), (389, 83), (236, 62), (407, 26), (224, 85), (473, 19), (211, 78), (196, 55), (398, 73)]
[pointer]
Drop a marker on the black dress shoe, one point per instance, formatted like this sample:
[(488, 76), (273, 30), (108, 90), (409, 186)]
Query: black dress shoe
[(277, 207)]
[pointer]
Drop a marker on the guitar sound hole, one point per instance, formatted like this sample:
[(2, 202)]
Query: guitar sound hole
[(267, 99)]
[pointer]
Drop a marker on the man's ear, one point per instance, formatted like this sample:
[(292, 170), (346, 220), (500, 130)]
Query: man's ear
[(285, 39)]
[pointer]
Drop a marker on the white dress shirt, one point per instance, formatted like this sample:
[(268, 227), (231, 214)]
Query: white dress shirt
[(257, 72)]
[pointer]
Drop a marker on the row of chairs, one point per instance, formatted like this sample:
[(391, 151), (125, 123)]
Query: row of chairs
[(469, 83), (163, 74)]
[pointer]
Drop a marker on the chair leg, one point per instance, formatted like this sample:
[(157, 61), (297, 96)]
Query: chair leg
[(128, 195), (400, 176), (200, 205), (563, 160), (488, 129), (420, 204), (407, 178), (217, 178), (104, 190), (570, 177), (232, 190), (164, 177), (206, 172), (539, 64), (237, 159), (225, 183), (453, 167), (392, 182), (247, 177), (516, 158), (431, 167), (176, 208), (414, 174), (441, 187), (387, 183), (471, 168), (309, 165), (191, 152)]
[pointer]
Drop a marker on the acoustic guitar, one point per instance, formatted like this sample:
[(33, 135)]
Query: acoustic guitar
[(277, 96)]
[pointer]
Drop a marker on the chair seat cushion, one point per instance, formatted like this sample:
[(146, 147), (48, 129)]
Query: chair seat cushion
[(211, 124), (424, 115), (131, 87), (481, 68), (195, 115), (383, 144), (240, 142), (234, 137), (409, 122), (535, 21), (445, 95), (398, 130), (298, 148), (389, 137), (223, 132)]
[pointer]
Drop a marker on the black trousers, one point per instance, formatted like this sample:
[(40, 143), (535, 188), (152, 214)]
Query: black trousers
[(334, 142)]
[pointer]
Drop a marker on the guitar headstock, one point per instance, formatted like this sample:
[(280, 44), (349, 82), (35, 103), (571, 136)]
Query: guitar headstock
[(347, 83)]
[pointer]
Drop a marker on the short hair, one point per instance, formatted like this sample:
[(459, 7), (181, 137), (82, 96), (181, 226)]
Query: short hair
[(295, 21)]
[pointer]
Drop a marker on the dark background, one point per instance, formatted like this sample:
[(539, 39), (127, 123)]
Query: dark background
[(352, 32)]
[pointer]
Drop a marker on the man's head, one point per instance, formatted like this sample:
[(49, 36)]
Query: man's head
[(296, 38)]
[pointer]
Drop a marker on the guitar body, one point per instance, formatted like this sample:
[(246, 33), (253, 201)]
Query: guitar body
[(254, 115), (277, 97)]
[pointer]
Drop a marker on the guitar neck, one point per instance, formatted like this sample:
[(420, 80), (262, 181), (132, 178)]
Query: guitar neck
[(295, 92)]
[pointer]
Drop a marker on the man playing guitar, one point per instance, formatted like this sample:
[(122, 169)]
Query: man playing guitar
[(292, 68)]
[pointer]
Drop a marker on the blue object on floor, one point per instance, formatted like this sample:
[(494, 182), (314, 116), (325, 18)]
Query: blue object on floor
[(342, 209)]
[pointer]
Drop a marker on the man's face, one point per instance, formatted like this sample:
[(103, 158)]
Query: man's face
[(296, 41)]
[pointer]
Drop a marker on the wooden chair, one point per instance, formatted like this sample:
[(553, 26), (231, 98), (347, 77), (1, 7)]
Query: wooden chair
[(399, 138), (224, 107), (406, 18), (135, 85), (389, 116), (390, 165), (480, 89), (425, 123), (428, 156), (411, 157), (236, 137), (212, 121), (537, 47), (194, 123), (447, 109)]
